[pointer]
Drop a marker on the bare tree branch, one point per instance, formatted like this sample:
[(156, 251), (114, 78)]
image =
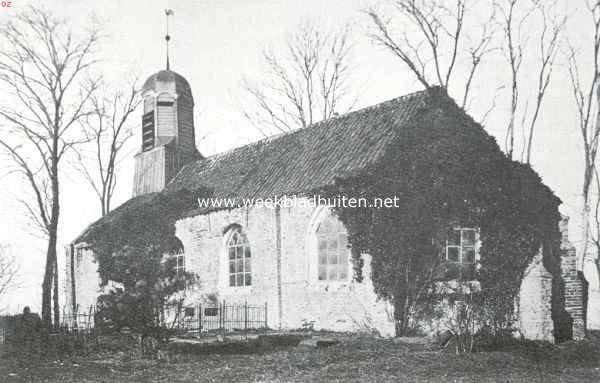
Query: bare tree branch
[(46, 69), (416, 24), (8, 270), (587, 97), (306, 82), (107, 128)]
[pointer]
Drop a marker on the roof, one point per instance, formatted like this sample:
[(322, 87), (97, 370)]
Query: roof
[(181, 84), (305, 159)]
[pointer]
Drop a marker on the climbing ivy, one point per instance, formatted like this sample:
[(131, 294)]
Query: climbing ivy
[(130, 245), (446, 172)]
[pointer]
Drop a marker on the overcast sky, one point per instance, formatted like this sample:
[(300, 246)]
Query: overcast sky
[(215, 43)]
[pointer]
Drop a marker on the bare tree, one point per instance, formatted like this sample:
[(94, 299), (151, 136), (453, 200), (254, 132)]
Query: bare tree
[(429, 38), (305, 82), (45, 71), (516, 16), (586, 92), (8, 270), (108, 130)]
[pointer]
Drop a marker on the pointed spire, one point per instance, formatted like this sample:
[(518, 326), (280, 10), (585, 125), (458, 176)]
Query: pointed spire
[(168, 12)]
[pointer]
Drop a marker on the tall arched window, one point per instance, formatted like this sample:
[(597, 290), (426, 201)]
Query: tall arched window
[(238, 251), (332, 250)]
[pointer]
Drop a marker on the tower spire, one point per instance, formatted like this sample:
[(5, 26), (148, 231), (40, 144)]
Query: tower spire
[(168, 12)]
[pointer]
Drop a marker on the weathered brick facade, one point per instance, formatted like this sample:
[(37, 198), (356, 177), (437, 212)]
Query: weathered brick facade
[(284, 277), (575, 287), (284, 263), (293, 296)]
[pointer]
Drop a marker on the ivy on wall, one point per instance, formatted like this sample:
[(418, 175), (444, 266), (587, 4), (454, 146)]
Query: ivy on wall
[(129, 245), (447, 172)]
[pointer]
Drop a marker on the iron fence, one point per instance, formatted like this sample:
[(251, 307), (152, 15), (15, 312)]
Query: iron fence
[(220, 319), (78, 321)]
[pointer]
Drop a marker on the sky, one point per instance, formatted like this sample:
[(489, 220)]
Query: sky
[(214, 44)]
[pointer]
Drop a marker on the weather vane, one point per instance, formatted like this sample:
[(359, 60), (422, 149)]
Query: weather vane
[(168, 12)]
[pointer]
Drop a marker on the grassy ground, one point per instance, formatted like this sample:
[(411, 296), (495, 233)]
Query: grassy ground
[(355, 359)]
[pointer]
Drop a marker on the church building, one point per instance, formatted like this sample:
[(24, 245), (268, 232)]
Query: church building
[(295, 259)]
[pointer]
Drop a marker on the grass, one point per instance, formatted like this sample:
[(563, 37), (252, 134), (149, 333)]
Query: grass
[(354, 359)]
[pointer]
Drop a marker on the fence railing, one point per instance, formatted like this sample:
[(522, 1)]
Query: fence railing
[(80, 320), (221, 318)]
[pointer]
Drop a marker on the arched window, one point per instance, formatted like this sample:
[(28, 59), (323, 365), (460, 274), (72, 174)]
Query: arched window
[(238, 252), (332, 250), (178, 255)]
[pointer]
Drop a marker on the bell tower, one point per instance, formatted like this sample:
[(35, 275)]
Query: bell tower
[(168, 139)]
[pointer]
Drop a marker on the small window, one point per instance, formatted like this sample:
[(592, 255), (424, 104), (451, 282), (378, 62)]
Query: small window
[(460, 246), (188, 312), (332, 250), (240, 259)]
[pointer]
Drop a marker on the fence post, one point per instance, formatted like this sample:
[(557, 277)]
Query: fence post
[(199, 319), (246, 318), (222, 318)]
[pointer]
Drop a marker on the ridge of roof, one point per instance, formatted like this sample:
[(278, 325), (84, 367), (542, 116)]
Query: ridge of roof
[(320, 123)]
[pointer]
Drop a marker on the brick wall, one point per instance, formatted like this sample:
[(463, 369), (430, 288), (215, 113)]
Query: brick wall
[(299, 298), (574, 286), (348, 306)]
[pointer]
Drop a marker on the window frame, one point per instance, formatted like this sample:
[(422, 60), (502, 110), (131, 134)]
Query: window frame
[(179, 269), (246, 260), (321, 214), (461, 246)]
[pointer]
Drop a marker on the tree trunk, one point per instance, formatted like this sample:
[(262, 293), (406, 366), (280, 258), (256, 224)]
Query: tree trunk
[(47, 283), (55, 301), (52, 241)]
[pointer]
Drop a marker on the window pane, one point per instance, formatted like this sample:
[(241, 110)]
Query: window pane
[(248, 280), (247, 251), (468, 237), (231, 252), (322, 243), (234, 239), (454, 238), (332, 259), (343, 272), (325, 226), (452, 254), (239, 252), (332, 242), (232, 280), (322, 258), (239, 265), (322, 273), (247, 267), (231, 267), (239, 279), (468, 255), (332, 273)]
